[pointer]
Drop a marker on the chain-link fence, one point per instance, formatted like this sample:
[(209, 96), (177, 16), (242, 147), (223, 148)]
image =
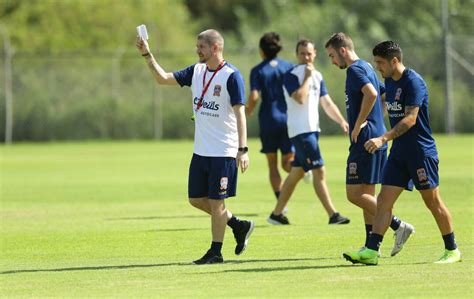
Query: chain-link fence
[(111, 95)]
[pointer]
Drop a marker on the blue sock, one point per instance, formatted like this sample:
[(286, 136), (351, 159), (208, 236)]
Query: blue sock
[(374, 241), (450, 241), (368, 230), (277, 194), (216, 247), (395, 224)]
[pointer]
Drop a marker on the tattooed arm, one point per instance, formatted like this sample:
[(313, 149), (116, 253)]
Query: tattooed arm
[(411, 113), (157, 71)]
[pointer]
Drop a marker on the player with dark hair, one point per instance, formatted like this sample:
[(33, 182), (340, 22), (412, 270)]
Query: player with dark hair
[(305, 90), (413, 158), (266, 81), (220, 139), (365, 115)]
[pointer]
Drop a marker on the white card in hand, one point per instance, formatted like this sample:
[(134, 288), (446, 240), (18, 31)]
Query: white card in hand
[(141, 31)]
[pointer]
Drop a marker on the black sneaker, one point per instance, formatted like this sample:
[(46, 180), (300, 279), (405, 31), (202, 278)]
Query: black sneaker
[(242, 236), (209, 258), (278, 219), (337, 218)]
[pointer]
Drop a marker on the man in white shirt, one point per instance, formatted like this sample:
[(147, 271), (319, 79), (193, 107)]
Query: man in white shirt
[(220, 138), (304, 91)]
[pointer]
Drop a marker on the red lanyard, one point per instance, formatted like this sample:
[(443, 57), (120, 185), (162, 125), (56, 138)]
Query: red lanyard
[(206, 86)]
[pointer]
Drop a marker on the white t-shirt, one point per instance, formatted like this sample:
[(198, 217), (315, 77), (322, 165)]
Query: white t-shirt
[(215, 130), (303, 118)]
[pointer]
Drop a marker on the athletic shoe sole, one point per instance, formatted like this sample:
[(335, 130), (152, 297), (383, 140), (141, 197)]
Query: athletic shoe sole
[(348, 258), (274, 222), (247, 236)]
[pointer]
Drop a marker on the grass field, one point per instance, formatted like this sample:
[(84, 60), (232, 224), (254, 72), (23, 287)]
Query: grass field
[(112, 220)]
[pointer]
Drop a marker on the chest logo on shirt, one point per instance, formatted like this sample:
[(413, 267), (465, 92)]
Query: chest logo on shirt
[(207, 105), (217, 90), (398, 93), (421, 174)]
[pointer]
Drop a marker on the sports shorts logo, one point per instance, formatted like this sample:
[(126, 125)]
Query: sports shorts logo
[(224, 181), (353, 168), (217, 90), (421, 174)]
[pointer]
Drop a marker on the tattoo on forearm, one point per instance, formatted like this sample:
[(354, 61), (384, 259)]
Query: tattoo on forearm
[(402, 127)]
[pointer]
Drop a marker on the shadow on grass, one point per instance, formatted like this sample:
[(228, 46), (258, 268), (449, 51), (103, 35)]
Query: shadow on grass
[(174, 217), (188, 229), (293, 268), (120, 267), (289, 268)]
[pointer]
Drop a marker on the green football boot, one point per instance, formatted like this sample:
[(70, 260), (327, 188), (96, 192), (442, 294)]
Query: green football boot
[(366, 256), (450, 256)]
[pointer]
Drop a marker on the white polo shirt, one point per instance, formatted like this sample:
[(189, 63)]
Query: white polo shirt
[(303, 118), (215, 130)]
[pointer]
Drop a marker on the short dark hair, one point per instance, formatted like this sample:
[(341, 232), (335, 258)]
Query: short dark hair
[(387, 50), (270, 44), (303, 42), (340, 40)]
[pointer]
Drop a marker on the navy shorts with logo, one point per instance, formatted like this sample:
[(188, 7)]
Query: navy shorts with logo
[(275, 138), (212, 177), (307, 152), (423, 173), (364, 167)]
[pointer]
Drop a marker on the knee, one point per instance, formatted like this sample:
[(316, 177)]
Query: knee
[(194, 202), (353, 197), (286, 165), (319, 173), (434, 204)]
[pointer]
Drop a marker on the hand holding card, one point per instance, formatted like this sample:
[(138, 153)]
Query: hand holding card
[(141, 31)]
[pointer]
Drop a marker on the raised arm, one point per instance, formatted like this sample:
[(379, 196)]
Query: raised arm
[(301, 94), (157, 71), (333, 112)]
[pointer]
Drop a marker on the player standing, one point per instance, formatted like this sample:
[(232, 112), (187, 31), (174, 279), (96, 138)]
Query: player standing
[(220, 137), (413, 156), (365, 116)]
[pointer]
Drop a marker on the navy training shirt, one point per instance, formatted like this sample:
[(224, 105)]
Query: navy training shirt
[(410, 90), (267, 78), (359, 74)]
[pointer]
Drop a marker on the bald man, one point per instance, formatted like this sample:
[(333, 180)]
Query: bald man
[(220, 138)]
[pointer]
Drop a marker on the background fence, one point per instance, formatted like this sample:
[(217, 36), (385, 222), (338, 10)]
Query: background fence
[(111, 94)]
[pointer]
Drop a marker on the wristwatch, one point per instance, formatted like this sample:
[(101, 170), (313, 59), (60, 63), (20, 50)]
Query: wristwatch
[(243, 149)]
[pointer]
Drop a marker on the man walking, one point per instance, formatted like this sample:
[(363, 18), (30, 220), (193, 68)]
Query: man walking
[(304, 91), (220, 138), (365, 116), (413, 158)]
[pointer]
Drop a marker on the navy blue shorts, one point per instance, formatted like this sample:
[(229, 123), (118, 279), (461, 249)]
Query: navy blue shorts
[(212, 177), (423, 173), (364, 167), (274, 139), (307, 153)]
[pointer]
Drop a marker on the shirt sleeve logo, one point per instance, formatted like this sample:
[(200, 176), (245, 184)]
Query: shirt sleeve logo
[(217, 90), (398, 93)]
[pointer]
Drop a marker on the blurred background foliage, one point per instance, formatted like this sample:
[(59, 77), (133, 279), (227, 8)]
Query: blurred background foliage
[(77, 74)]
